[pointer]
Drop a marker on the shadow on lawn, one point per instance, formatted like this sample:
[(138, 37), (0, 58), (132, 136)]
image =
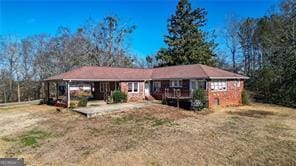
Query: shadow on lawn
[(252, 113)]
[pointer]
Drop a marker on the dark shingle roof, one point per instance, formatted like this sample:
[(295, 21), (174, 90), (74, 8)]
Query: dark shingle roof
[(171, 72)]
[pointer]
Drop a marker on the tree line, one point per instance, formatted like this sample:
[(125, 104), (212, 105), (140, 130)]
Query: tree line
[(262, 48), (265, 50), (25, 62)]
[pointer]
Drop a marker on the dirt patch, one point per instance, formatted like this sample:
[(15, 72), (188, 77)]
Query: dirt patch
[(13, 120)]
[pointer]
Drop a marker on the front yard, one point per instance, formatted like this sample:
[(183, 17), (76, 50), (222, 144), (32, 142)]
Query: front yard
[(259, 134)]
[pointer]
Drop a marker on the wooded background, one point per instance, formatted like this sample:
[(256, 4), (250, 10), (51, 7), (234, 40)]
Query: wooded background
[(263, 49)]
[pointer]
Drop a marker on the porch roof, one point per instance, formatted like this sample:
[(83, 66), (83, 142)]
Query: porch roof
[(95, 73)]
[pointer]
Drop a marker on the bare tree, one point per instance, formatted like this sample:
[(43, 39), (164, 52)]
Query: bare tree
[(109, 39), (151, 61), (10, 57), (232, 38), (25, 62)]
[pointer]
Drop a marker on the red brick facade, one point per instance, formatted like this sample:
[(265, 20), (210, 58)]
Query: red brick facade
[(231, 97), (133, 96), (94, 74)]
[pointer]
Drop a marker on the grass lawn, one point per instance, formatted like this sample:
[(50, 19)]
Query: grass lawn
[(259, 134)]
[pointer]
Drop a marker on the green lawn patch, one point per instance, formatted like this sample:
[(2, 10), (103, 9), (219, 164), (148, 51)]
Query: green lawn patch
[(32, 137), (122, 120), (159, 122), (277, 126)]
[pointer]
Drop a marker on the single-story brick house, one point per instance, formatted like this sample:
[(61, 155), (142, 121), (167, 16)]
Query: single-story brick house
[(223, 88)]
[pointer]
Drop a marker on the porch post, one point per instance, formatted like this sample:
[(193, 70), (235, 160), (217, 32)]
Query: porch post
[(57, 90), (68, 93), (144, 84), (43, 92), (47, 92)]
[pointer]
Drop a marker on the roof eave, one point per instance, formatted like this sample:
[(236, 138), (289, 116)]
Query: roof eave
[(171, 78), (230, 78), (95, 80)]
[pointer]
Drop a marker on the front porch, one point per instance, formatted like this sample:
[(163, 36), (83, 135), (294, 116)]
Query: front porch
[(178, 94)]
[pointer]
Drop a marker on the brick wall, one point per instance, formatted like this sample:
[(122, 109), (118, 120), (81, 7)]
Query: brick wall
[(133, 96), (231, 97)]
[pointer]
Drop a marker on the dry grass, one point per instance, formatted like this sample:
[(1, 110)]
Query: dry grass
[(258, 134)]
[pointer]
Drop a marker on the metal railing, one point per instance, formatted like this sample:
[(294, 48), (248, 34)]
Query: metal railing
[(177, 93)]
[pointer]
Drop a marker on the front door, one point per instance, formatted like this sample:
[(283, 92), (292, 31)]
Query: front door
[(104, 90), (147, 89), (193, 86)]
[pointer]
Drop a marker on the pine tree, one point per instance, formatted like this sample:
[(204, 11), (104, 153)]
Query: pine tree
[(187, 43)]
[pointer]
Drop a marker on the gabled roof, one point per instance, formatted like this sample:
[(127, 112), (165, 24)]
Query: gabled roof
[(95, 73)]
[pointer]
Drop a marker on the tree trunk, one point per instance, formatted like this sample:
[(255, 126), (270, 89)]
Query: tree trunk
[(5, 100), (18, 92), (233, 61)]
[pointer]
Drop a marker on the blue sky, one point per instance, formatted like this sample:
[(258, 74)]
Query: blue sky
[(26, 18)]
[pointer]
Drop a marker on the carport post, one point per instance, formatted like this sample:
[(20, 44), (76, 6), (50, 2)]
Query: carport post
[(47, 92), (57, 90), (68, 93)]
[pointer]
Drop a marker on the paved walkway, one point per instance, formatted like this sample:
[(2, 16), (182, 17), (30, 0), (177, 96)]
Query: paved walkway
[(107, 108), (19, 104)]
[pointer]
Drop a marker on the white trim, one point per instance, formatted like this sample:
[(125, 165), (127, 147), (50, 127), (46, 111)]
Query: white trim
[(218, 82), (229, 77), (68, 94), (123, 80), (142, 79), (183, 78), (144, 91), (190, 85), (133, 87), (180, 82)]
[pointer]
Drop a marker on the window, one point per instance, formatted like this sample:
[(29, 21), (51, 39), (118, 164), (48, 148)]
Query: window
[(136, 86), (194, 84), (104, 87), (201, 84), (130, 87), (133, 87), (156, 86), (176, 83), (218, 85)]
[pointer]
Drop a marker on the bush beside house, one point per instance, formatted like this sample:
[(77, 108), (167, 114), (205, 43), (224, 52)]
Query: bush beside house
[(119, 96), (79, 102), (199, 99), (245, 97)]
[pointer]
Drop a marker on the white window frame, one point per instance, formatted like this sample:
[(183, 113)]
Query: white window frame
[(218, 85), (133, 87), (156, 86), (179, 83), (196, 83)]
